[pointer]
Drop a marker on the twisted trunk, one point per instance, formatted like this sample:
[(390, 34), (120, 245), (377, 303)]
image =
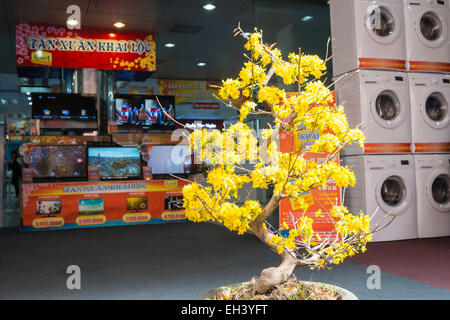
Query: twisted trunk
[(272, 276)]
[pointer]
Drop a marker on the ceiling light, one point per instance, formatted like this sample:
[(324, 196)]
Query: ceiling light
[(29, 98), (307, 18), (119, 24), (209, 6), (169, 45), (201, 64), (28, 93), (72, 22)]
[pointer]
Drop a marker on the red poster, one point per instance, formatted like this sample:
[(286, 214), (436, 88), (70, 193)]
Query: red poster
[(57, 46), (318, 199)]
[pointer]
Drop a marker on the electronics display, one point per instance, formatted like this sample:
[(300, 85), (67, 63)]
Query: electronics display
[(116, 162), (144, 112), (57, 161), (167, 159), (51, 106), (91, 206), (48, 207), (136, 204)]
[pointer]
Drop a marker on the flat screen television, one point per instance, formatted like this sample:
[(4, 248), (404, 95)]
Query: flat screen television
[(116, 162), (59, 106), (48, 207), (143, 112), (57, 162), (138, 203), (170, 159), (91, 206)]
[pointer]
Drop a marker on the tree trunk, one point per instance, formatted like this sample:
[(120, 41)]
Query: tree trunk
[(272, 276)]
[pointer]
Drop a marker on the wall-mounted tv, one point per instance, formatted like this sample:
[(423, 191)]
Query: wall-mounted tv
[(57, 162), (60, 106), (116, 162), (167, 159), (143, 112)]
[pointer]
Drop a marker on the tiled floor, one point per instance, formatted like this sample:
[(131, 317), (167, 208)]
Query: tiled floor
[(184, 260)]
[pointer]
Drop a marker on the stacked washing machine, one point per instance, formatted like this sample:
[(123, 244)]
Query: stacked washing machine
[(400, 96)]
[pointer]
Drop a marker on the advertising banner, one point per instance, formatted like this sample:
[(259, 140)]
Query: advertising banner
[(318, 199), (57, 46), (191, 90), (97, 204)]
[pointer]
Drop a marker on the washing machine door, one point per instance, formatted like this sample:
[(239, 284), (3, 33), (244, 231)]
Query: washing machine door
[(382, 23), (431, 28), (438, 191), (387, 108), (392, 193), (434, 109)]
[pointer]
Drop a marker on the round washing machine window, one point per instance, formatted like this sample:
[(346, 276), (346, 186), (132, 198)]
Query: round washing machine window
[(386, 109), (440, 189), (393, 191), (439, 192), (431, 26), (436, 107), (382, 24)]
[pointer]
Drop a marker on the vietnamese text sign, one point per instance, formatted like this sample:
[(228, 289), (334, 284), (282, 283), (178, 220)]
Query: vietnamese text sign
[(56, 46)]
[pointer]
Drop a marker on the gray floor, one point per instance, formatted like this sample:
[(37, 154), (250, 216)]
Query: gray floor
[(164, 261)]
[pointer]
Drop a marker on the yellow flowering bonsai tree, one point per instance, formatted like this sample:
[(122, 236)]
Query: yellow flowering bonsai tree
[(290, 174)]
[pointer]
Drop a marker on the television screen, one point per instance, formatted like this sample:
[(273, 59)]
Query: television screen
[(116, 162), (51, 106), (173, 203), (166, 159), (91, 206), (57, 161), (48, 207), (144, 112), (135, 204)]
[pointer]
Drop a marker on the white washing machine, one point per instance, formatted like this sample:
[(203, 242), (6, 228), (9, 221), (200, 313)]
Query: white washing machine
[(427, 35), (433, 194), (430, 118), (367, 34), (385, 185), (379, 100)]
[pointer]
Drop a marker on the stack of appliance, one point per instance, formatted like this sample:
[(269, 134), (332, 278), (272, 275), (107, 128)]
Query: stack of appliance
[(401, 96)]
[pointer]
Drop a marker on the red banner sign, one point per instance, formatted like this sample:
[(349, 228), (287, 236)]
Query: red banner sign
[(318, 199), (56, 46)]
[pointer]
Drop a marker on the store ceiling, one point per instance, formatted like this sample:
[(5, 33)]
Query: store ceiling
[(213, 43)]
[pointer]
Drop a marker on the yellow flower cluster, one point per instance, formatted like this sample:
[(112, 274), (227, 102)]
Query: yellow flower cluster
[(290, 174)]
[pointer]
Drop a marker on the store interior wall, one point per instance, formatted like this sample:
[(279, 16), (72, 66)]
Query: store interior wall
[(282, 22)]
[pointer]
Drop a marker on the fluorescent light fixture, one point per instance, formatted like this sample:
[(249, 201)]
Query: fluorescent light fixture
[(119, 24), (201, 64), (307, 18), (209, 6), (169, 45), (72, 22)]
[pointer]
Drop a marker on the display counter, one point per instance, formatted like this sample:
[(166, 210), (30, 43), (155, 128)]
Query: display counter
[(50, 206)]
